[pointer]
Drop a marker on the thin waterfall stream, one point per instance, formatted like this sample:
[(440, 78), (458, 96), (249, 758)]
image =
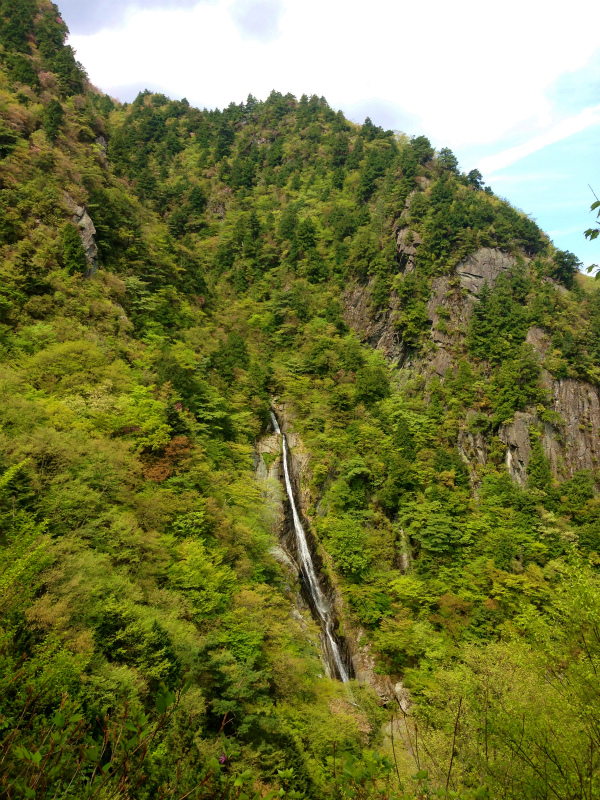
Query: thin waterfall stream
[(319, 600)]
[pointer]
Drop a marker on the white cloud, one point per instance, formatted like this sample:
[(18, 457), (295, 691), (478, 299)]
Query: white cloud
[(86, 17), (563, 130), (565, 231), (471, 72), (257, 19), (527, 177)]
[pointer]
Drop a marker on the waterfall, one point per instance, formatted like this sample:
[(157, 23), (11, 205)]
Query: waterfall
[(319, 600)]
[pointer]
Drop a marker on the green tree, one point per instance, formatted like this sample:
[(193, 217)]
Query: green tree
[(447, 160), (224, 140), (591, 234), (566, 267), (73, 252), (8, 140), (422, 148), (54, 116), (475, 179)]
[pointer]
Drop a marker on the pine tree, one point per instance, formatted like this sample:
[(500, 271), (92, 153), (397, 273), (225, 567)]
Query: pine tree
[(447, 160), (422, 148), (566, 267), (8, 140), (539, 474), (475, 179), (73, 252), (53, 118)]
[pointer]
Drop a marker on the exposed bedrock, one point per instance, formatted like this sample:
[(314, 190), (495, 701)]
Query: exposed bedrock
[(573, 442), (375, 327), (407, 242), (516, 437), (570, 447), (578, 404), (451, 304), (87, 231), (482, 267), (305, 563), (449, 308)]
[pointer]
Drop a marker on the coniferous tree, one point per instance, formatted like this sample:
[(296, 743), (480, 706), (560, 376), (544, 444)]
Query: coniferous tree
[(539, 474), (447, 160), (137, 397), (8, 140), (422, 148), (566, 267), (16, 23), (73, 252), (225, 138), (54, 116), (475, 179), (21, 70)]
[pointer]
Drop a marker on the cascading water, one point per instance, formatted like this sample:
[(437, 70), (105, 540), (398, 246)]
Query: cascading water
[(311, 581)]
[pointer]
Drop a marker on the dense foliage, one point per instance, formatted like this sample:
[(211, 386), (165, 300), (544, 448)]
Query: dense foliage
[(147, 645)]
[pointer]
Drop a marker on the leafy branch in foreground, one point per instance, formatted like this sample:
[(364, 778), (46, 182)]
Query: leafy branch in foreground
[(593, 233)]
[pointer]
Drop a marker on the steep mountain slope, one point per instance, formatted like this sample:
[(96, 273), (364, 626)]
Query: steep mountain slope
[(169, 275)]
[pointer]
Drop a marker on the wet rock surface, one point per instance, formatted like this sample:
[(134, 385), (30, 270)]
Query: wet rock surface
[(357, 652), (308, 576), (518, 445)]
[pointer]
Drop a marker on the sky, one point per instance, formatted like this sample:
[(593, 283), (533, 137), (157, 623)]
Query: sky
[(512, 88)]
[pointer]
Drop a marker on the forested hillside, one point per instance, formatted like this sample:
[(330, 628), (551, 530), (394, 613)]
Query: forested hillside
[(168, 276)]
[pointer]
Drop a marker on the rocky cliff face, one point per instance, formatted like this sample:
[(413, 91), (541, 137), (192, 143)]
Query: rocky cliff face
[(449, 308), (578, 444), (375, 327), (407, 243), (570, 445), (87, 231), (516, 436), (451, 304)]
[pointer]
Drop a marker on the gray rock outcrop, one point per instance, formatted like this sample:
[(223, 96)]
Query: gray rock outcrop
[(407, 242), (518, 445), (483, 267), (472, 446), (267, 466), (448, 313), (451, 304), (576, 445), (449, 308), (572, 442), (87, 231), (376, 328), (103, 145)]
